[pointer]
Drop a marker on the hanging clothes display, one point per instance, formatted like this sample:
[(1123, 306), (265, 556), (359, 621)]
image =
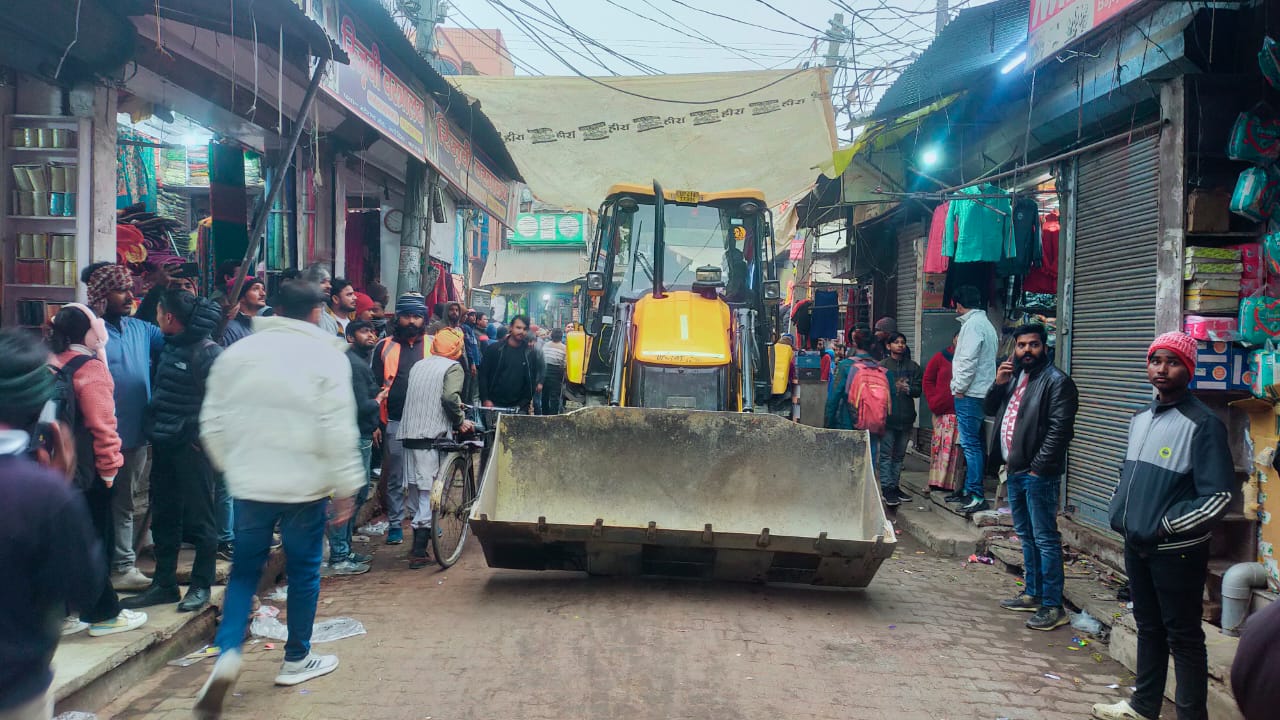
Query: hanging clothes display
[(934, 260), (978, 230), (826, 314), (1025, 226), (978, 274), (1044, 279)]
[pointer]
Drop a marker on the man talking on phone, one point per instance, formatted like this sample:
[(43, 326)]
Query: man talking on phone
[(1034, 404)]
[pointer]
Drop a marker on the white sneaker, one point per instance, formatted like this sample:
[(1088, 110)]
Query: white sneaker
[(310, 667), (347, 567), (221, 681), (130, 580), (1118, 711), (72, 625), (124, 622)]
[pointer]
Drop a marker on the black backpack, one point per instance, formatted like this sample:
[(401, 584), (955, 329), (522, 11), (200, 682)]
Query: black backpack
[(68, 411)]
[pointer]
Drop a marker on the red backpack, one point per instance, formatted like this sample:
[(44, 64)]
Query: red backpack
[(869, 397)]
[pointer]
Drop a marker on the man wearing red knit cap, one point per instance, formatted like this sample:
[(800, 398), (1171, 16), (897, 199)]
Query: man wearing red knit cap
[(1175, 485)]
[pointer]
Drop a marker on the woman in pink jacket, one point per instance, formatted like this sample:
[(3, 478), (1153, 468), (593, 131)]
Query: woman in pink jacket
[(79, 339)]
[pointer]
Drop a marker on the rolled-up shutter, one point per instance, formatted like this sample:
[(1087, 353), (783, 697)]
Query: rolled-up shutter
[(906, 278), (1112, 315), (907, 287)]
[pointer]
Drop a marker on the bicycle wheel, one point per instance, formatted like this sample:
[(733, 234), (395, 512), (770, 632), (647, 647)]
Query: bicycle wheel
[(449, 512)]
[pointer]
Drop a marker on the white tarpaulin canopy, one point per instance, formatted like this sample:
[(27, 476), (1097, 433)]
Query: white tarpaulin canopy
[(572, 138)]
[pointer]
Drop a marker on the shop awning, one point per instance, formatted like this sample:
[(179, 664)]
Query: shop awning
[(41, 39), (247, 19), (553, 267), (978, 39)]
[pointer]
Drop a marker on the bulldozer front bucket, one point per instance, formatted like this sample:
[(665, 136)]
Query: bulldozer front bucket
[(630, 491)]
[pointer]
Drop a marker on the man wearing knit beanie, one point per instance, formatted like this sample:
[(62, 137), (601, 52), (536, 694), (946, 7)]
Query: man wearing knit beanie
[(393, 358), (1175, 485)]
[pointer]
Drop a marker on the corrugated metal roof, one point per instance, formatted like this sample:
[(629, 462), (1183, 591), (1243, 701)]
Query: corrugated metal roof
[(534, 266), (975, 41)]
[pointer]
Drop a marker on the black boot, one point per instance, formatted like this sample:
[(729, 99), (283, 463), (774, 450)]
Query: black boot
[(197, 597), (154, 595), (418, 553)]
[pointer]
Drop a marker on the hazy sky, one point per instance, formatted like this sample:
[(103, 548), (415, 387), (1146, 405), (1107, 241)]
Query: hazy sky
[(670, 36)]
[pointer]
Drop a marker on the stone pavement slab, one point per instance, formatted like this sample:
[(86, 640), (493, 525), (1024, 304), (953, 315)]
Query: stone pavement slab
[(81, 661), (924, 640)]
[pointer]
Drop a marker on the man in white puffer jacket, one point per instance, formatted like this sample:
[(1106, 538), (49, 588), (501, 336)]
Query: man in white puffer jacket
[(279, 419)]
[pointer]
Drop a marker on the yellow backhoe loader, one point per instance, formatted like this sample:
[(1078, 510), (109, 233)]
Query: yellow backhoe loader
[(675, 466)]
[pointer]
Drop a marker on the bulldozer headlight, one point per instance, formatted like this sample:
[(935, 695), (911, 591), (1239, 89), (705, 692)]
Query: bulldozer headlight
[(595, 282), (707, 275), (772, 291)]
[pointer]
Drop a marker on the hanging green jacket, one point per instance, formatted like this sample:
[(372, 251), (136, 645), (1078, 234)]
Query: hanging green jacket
[(979, 230)]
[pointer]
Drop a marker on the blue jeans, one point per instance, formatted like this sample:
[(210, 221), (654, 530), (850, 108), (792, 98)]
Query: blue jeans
[(1034, 504), (893, 450), (969, 423), (302, 529), (224, 516), (340, 535)]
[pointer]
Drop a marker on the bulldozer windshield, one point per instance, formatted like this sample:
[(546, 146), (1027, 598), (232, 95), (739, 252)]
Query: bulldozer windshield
[(695, 236)]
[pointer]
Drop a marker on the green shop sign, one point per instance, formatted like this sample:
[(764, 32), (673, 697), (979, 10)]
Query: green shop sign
[(550, 229)]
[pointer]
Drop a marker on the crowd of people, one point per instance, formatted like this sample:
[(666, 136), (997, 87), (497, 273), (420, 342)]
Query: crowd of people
[(1176, 481), (246, 423)]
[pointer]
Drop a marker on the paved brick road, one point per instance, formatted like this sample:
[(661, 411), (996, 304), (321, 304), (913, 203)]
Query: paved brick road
[(924, 641)]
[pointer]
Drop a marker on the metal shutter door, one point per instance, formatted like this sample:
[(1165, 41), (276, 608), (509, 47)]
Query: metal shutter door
[(906, 276), (906, 300), (1113, 315)]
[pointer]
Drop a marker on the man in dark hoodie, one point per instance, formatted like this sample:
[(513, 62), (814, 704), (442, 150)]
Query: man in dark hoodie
[(48, 545), (182, 480), (507, 370), (1175, 485), (342, 560)]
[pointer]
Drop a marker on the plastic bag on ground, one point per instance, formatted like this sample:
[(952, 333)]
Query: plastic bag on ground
[(76, 715), (1086, 623), (323, 631), (280, 594)]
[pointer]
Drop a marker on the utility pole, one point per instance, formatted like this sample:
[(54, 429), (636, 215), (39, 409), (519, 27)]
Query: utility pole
[(944, 16), (835, 39), (426, 14)]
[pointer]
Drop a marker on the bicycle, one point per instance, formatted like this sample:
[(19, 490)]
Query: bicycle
[(455, 488)]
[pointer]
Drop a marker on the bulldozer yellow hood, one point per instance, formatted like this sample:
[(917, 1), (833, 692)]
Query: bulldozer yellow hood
[(682, 328)]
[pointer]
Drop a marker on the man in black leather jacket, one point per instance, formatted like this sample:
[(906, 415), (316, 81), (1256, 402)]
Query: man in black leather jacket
[(1034, 404)]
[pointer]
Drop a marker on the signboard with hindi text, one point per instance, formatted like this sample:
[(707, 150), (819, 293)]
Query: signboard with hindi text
[(1055, 24), (373, 91), (466, 168)]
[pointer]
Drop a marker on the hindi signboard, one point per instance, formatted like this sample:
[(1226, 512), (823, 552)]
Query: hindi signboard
[(467, 169), (375, 93), (1055, 24)]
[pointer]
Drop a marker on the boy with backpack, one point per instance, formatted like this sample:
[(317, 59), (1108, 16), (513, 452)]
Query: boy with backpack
[(866, 396)]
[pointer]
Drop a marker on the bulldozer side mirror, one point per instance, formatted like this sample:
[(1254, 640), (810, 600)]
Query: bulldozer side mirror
[(772, 292)]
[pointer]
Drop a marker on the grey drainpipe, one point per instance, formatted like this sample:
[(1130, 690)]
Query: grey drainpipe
[(1237, 585)]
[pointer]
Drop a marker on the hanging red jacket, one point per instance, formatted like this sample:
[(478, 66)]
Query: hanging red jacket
[(934, 260)]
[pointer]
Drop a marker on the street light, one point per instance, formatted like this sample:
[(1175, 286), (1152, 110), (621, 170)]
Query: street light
[(930, 156)]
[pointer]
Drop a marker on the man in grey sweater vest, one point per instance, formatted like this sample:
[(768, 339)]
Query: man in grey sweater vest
[(432, 408)]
